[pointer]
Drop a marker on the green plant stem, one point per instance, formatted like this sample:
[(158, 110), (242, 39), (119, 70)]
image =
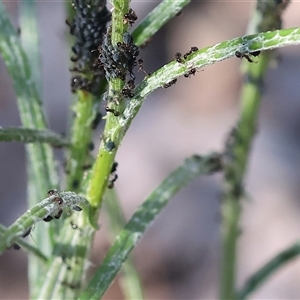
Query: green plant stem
[(26, 135), (111, 134), (234, 170), (238, 148), (158, 17), (144, 216), (85, 112), (66, 274), (130, 281), (256, 280)]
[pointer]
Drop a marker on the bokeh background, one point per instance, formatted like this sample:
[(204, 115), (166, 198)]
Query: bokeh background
[(180, 254)]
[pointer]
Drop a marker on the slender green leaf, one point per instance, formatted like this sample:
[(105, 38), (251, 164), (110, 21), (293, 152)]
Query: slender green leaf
[(207, 56), (143, 218), (130, 281), (41, 168), (26, 246), (256, 280), (26, 135), (158, 17)]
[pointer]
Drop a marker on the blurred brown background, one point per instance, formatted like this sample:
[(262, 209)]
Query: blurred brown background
[(179, 256)]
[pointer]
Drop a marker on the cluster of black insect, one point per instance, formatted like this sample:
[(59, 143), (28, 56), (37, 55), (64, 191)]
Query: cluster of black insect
[(88, 26), (119, 60)]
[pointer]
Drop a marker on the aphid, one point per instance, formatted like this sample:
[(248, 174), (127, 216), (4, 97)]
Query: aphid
[(130, 17), (178, 57), (91, 146), (75, 184), (127, 93), (127, 38), (77, 208), (110, 145)]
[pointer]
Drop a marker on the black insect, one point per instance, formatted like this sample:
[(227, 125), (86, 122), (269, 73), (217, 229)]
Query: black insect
[(110, 145), (178, 57), (130, 17), (48, 218), (52, 192), (247, 55), (96, 120), (193, 49), (113, 176), (130, 84), (113, 111), (190, 72), (88, 27), (127, 93), (166, 85)]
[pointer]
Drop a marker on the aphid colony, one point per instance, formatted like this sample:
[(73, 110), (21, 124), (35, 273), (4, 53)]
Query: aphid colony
[(88, 27), (119, 60)]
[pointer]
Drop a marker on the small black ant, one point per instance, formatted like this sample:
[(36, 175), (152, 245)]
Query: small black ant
[(178, 57), (130, 17), (166, 85), (189, 73), (193, 49), (247, 55)]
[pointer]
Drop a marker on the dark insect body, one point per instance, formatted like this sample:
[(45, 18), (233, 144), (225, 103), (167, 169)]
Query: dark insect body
[(178, 57), (247, 55), (88, 27), (189, 73), (167, 85), (113, 176), (113, 111), (130, 17), (193, 49)]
